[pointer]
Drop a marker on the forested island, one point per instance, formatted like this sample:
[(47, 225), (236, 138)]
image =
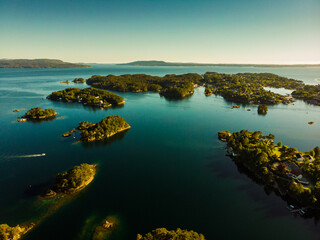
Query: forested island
[(308, 93), (40, 114), (106, 128), (38, 63), (14, 233), (248, 87), (171, 85), (164, 234), (288, 171), (262, 109), (73, 180), (154, 63), (87, 96)]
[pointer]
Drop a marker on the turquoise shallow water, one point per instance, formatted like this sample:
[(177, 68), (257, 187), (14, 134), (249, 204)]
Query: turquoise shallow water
[(169, 170)]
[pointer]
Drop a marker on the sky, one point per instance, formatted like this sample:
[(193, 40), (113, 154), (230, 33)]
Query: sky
[(202, 31)]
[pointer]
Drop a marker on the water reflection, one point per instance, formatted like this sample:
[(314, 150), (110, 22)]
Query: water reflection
[(274, 203), (81, 106), (117, 137)]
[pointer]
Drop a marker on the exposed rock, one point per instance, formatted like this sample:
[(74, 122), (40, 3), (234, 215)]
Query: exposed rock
[(21, 120), (66, 82), (67, 134)]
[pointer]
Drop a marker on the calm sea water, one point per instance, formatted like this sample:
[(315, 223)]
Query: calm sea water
[(169, 170)]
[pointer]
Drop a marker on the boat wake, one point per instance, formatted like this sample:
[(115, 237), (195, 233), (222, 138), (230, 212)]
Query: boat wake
[(29, 156)]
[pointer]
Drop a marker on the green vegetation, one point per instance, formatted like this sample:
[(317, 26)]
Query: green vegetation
[(106, 128), (73, 180), (262, 109), (308, 93), (38, 63), (78, 80), (248, 87), (164, 234), (171, 85), (284, 168), (14, 233), (39, 114), (88, 96)]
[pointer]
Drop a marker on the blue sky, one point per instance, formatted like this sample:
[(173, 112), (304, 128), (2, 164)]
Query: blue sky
[(113, 31)]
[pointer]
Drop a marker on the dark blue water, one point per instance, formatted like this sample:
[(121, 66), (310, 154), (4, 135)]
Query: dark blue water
[(169, 170)]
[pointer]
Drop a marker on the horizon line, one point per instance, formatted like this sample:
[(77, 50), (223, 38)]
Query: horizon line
[(174, 62)]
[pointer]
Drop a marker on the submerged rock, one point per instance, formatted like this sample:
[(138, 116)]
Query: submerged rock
[(104, 230)]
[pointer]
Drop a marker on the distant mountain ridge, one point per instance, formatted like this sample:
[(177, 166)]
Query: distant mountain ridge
[(168, 64), (38, 63)]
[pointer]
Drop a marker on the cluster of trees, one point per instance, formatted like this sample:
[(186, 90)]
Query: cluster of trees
[(74, 178), (88, 96), (248, 87), (9, 233), (260, 155), (171, 85), (107, 127), (38, 63), (164, 234), (14, 233), (38, 113), (270, 80), (262, 109), (78, 80), (308, 93)]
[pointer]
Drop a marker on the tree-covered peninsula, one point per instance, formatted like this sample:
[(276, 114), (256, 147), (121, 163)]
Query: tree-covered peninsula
[(248, 87), (88, 96), (106, 128), (38, 63), (164, 234), (73, 180), (14, 233), (308, 93), (171, 85), (40, 114), (285, 169), (182, 64)]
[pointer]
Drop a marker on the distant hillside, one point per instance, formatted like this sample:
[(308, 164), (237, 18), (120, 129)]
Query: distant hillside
[(38, 63), (163, 63)]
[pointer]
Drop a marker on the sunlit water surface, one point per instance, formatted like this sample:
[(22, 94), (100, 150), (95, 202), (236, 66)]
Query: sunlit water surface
[(169, 170)]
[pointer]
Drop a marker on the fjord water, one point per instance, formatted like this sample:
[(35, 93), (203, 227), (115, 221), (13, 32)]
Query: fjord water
[(169, 170)]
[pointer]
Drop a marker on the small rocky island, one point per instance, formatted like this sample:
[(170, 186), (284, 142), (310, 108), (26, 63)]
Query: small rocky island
[(38, 114), (14, 233), (289, 172), (79, 80), (262, 109), (72, 181), (164, 234), (87, 96), (106, 128)]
